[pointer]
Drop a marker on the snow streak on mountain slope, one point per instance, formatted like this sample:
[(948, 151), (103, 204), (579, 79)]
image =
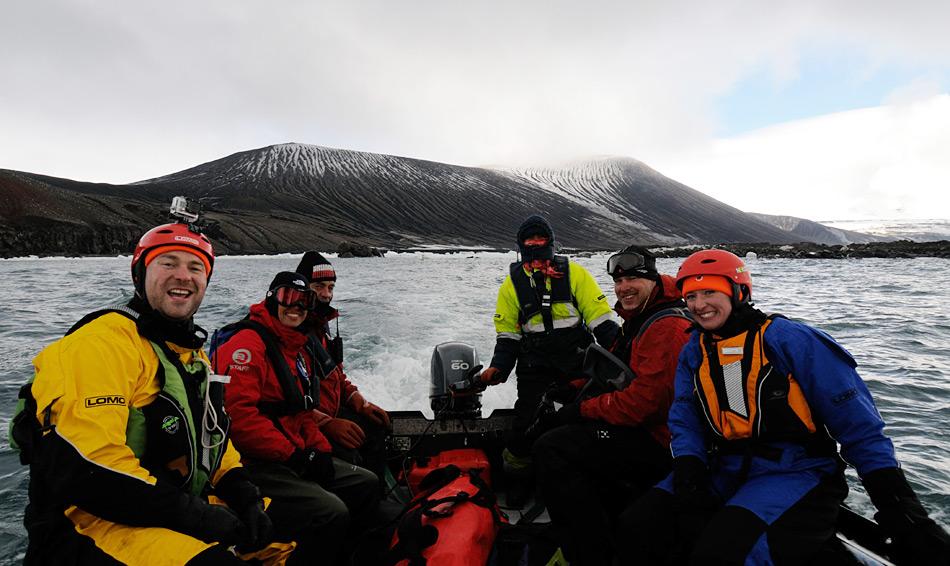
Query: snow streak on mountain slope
[(593, 184), (638, 196), (402, 201), (291, 197)]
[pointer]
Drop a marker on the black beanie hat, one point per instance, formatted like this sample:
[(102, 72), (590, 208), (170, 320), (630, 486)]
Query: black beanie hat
[(316, 267), (285, 279), (535, 225)]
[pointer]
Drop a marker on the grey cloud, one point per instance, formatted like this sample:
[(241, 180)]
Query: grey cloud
[(111, 90)]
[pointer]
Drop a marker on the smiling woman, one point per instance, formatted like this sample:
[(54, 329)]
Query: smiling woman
[(761, 405), (274, 384)]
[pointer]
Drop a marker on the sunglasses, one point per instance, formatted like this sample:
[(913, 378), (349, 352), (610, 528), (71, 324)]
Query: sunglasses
[(625, 262), (291, 297)]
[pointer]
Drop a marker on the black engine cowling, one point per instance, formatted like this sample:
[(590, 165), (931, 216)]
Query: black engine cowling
[(452, 372)]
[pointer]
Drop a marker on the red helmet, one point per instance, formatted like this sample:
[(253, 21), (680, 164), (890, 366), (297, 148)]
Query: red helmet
[(172, 236), (717, 262)]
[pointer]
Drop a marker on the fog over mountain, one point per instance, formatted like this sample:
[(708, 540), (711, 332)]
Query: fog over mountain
[(810, 231), (291, 197)]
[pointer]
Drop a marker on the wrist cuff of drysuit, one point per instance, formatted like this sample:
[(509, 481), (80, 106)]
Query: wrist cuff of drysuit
[(887, 486), (505, 356)]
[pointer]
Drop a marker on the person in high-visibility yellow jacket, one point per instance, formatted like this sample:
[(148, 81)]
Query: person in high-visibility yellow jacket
[(549, 310), (125, 434)]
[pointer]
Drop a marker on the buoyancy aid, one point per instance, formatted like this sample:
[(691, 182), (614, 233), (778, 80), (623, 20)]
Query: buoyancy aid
[(747, 401), (553, 336), (183, 447), (294, 400)]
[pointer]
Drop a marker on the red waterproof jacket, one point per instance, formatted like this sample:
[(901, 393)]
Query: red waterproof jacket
[(336, 390), (253, 380), (653, 358)]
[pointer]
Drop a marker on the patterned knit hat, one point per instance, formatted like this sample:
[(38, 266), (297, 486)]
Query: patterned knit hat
[(316, 267)]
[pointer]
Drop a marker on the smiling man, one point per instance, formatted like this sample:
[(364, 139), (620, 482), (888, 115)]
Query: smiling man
[(125, 433), (616, 438)]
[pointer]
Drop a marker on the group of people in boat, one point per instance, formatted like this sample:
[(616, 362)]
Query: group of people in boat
[(143, 449), (723, 449)]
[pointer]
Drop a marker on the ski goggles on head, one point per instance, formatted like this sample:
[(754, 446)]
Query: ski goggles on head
[(292, 297), (627, 263)]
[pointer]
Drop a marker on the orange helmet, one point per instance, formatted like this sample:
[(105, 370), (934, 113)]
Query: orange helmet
[(718, 262), (174, 236)]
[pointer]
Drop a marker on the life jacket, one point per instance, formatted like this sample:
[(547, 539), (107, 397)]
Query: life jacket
[(164, 435), (747, 402), (563, 340), (453, 522), (294, 400)]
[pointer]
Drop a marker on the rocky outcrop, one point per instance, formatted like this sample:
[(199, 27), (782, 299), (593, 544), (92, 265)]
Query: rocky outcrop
[(353, 249)]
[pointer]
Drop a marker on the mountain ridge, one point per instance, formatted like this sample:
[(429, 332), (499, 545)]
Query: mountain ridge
[(292, 197)]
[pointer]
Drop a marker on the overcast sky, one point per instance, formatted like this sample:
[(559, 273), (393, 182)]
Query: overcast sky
[(825, 110)]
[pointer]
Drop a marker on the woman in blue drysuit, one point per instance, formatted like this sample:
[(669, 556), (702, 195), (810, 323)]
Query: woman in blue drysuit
[(760, 402)]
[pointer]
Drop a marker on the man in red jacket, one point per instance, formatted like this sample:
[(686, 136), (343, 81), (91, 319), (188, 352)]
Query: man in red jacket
[(270, 400), (355, 427), (607, 447)]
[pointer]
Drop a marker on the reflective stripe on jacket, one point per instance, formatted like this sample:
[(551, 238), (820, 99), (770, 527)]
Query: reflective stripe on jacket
[(744, 396), (587, 304)]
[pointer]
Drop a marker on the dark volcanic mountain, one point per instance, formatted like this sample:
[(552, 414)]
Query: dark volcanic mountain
[(292, 197)]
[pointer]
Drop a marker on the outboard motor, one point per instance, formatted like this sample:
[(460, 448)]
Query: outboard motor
[(453, 375)]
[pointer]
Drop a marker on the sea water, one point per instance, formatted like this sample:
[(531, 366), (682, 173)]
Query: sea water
[(893, 315)]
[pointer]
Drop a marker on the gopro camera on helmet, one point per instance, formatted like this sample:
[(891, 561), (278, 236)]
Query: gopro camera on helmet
[(186, 210)]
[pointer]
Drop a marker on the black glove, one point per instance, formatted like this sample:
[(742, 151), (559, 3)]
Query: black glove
[(606, 333), (562, 392), (693, 499), (568, 414), (258, 528), (236, 489), (312, 465), (547, 418), (210, 523), (917, 539)]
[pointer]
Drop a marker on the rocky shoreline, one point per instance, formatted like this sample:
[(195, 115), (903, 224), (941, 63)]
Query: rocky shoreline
[(896, 250), (805, 250)]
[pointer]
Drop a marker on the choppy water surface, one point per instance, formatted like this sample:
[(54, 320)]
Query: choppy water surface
[(893, 315)]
